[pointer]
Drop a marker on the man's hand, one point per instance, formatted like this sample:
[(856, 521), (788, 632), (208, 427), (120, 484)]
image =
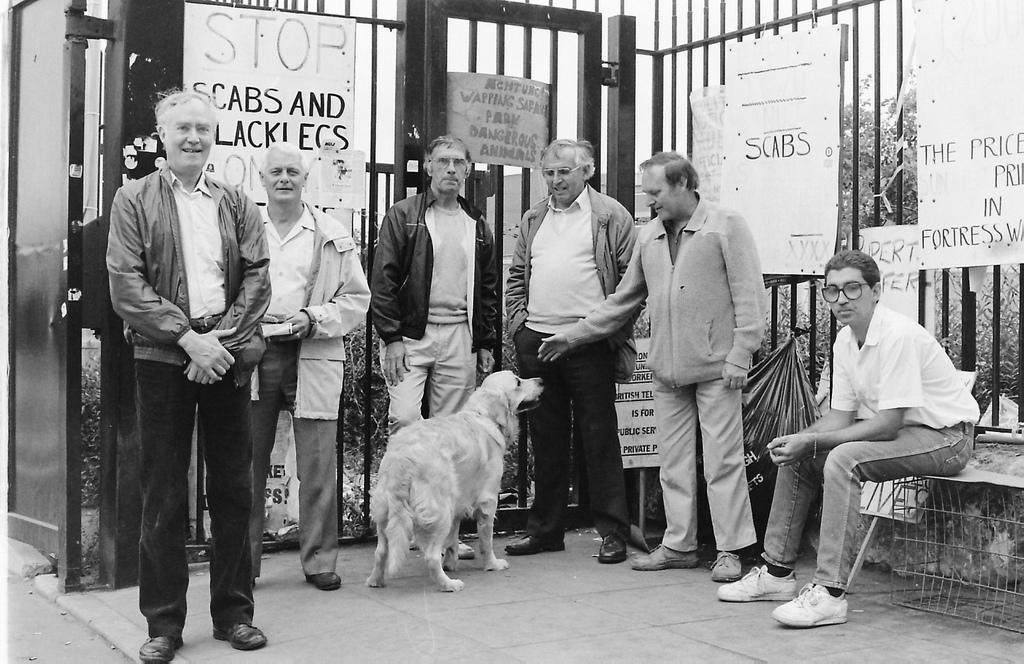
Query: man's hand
[(396, 363), (553, 348), (300, 324), (208, 355), (734, 377), (787, 450), (197, 375), (484, 361)]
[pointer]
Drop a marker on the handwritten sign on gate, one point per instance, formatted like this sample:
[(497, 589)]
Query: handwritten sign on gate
[(503, 119), (275, 77)]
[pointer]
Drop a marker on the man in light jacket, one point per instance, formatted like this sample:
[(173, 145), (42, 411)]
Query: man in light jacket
[(319, 293), (697, 268)]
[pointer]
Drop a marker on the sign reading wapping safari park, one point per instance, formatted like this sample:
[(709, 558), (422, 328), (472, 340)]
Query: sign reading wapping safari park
[(275, 77), (781, 158), (970, 152), (503, 119)]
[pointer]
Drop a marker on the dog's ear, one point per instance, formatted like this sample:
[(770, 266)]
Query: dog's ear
[(499, 409)]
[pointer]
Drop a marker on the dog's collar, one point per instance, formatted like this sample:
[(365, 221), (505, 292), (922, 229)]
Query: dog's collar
[(491, 428)]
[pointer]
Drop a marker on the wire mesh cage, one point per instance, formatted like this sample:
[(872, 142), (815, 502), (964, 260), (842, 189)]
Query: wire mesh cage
[(959, 548)]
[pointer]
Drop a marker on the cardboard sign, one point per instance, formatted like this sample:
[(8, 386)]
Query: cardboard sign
[(708, 105), (275, 77), (503, 119), (634, 406), (970, 150), (781, 162)]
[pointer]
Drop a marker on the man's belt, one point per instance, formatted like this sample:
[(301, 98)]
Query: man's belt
[(206, 323)]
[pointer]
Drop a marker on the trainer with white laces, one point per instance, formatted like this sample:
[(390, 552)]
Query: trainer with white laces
[(918, 420), (727, 568), (759, 586), (814, 607)]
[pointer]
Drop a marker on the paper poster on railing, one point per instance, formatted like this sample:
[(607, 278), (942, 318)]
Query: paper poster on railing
[(503, 119), (897, 250), (708, 106), (781, 163), (634, 406), (970, 151), (275, 77)]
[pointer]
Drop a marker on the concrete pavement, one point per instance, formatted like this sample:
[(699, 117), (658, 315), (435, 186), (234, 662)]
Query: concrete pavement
[(550, 607)]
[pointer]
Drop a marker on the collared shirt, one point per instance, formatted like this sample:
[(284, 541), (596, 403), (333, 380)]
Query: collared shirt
[(564, 284), (290, 260), (202, 247), (900, 365)]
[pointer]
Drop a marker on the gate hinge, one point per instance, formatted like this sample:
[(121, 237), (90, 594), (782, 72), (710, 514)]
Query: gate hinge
[(80, 26), (610, 74)]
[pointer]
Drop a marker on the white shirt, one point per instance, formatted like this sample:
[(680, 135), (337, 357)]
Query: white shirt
[(900, 365), (202, 246), (291, 258), (564, 285)]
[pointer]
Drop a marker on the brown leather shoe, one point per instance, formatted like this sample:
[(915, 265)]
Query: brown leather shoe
[(242, 636), (324, 580), (530, 545), (159, 648), (613, 549)]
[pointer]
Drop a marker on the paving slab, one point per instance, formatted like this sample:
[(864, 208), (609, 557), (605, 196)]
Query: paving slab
[(552, 606)]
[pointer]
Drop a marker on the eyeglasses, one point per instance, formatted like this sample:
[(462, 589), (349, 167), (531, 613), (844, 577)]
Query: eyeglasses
[(852, 290), (560, 172), (445, 162)]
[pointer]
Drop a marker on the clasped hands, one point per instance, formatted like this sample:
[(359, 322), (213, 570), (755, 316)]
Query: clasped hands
[(789, 449), (209, 360)]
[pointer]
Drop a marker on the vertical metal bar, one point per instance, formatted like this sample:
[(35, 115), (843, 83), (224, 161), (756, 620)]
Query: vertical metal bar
[(812, 359), (997, 282), (944, 326), (621, 176), (721, 45), (855, 130), (877, 125), (775, 317), (689, 81), (657, 87), (70, 531), (969, 329), (673, 127), (899, 120)]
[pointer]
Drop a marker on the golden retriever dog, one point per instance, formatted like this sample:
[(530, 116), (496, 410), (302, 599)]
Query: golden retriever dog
[(437, 471)]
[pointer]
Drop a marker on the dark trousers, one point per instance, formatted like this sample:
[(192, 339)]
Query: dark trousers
[(579, 386), (167, 403)]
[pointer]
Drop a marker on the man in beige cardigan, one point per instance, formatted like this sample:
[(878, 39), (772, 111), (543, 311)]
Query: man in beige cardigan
[(697, 268)]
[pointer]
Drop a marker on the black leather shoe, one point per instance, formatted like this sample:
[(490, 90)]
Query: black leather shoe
[(530, 545), (324, 580), (242, 636), (613, 549), (159, 648)]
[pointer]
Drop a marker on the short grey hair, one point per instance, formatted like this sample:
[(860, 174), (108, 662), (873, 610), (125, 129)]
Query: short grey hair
[(288, 148), (176, 97), (584, 152)]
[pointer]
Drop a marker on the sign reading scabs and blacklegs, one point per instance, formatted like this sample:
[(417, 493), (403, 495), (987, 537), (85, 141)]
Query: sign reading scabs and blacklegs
[(781, 164), (970, 151), (634, 406), (503, 119), (275, 77)]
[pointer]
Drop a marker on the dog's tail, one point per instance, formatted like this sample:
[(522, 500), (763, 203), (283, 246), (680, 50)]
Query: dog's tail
[(389, 505)]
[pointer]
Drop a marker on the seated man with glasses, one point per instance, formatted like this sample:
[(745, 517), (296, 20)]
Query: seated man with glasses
[(434, 289), (899, 408)]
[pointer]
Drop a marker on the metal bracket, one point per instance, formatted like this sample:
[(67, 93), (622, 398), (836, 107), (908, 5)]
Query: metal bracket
[(610, 74), (80, 26)]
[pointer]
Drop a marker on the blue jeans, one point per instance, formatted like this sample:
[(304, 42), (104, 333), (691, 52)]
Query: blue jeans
[(578, 388), (917, 450), (167, 403)]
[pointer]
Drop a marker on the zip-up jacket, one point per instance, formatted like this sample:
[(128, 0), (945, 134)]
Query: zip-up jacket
[(148, 288), (403, 267), (614, 235)]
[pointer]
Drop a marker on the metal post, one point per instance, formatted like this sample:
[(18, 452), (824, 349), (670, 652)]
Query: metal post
[(621, 176)]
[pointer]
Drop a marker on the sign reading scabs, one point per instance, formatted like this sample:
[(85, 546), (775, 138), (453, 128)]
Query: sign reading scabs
[(275, 77), (503, 120), (634, 406)]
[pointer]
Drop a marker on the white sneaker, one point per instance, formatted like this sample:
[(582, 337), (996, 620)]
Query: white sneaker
[(726, 568), (758, 585), (466, 552), (813, 608)]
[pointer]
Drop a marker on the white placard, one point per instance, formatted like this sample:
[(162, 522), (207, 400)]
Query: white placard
[(275, 76), (970, 150), (897, 250), (708, 105), (342, 177), (781, 163), (634, 406)]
